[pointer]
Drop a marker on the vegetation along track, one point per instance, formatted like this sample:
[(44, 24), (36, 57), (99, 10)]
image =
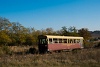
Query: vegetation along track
[(81, 58)]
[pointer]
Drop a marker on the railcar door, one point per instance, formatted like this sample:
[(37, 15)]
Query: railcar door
[(42, 44)]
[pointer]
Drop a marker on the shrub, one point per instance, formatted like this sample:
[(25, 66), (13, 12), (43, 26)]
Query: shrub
[(97, 45), (5, 50), (33, 50)]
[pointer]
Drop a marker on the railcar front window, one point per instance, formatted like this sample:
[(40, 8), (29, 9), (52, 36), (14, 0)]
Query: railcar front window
[(42, 41)]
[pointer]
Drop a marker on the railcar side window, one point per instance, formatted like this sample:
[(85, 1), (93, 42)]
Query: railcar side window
[(55, 40), (68, 40), (78, 40), (65, 40), (60, 40), (71, 41), (74, 40)]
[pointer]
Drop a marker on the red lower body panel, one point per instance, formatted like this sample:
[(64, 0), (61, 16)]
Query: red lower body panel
[(53, 47)]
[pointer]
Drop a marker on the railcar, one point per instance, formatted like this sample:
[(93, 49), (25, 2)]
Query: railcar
[(49, 43)]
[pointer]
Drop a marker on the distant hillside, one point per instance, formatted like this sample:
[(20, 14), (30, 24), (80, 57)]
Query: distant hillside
[(95, 33)]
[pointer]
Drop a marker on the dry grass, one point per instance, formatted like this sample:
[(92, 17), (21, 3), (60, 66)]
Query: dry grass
[(80, 58)]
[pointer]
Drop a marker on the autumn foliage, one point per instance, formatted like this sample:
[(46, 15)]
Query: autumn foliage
[(14, 34)]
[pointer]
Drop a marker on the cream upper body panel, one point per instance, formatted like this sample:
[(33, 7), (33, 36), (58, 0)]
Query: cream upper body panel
[(63, 37)]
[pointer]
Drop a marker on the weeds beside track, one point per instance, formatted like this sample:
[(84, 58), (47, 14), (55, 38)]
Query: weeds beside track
[(80, 58)]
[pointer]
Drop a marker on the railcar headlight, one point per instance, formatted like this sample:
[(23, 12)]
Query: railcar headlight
[(48, 50)]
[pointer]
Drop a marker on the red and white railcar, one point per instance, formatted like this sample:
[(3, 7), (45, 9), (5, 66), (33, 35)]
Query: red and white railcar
[(56, 43)]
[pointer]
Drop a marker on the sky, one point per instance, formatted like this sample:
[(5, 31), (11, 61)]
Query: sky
[(42, 14)]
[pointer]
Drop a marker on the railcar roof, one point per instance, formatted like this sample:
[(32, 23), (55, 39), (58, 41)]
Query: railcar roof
[(63, 37)]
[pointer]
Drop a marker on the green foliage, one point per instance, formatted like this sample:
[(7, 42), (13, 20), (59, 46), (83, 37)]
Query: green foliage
[(86, 35), (30, 40), (65, 31), (4, 24), (4, 38), (13, 33), (71, 31), (88, 44), (5, 50)]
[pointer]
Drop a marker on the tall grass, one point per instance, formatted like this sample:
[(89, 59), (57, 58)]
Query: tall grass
[(80, 58)]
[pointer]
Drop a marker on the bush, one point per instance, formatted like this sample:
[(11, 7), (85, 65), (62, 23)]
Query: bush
[(33, 50), (88, 44), (97, 45), (5, 50)]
